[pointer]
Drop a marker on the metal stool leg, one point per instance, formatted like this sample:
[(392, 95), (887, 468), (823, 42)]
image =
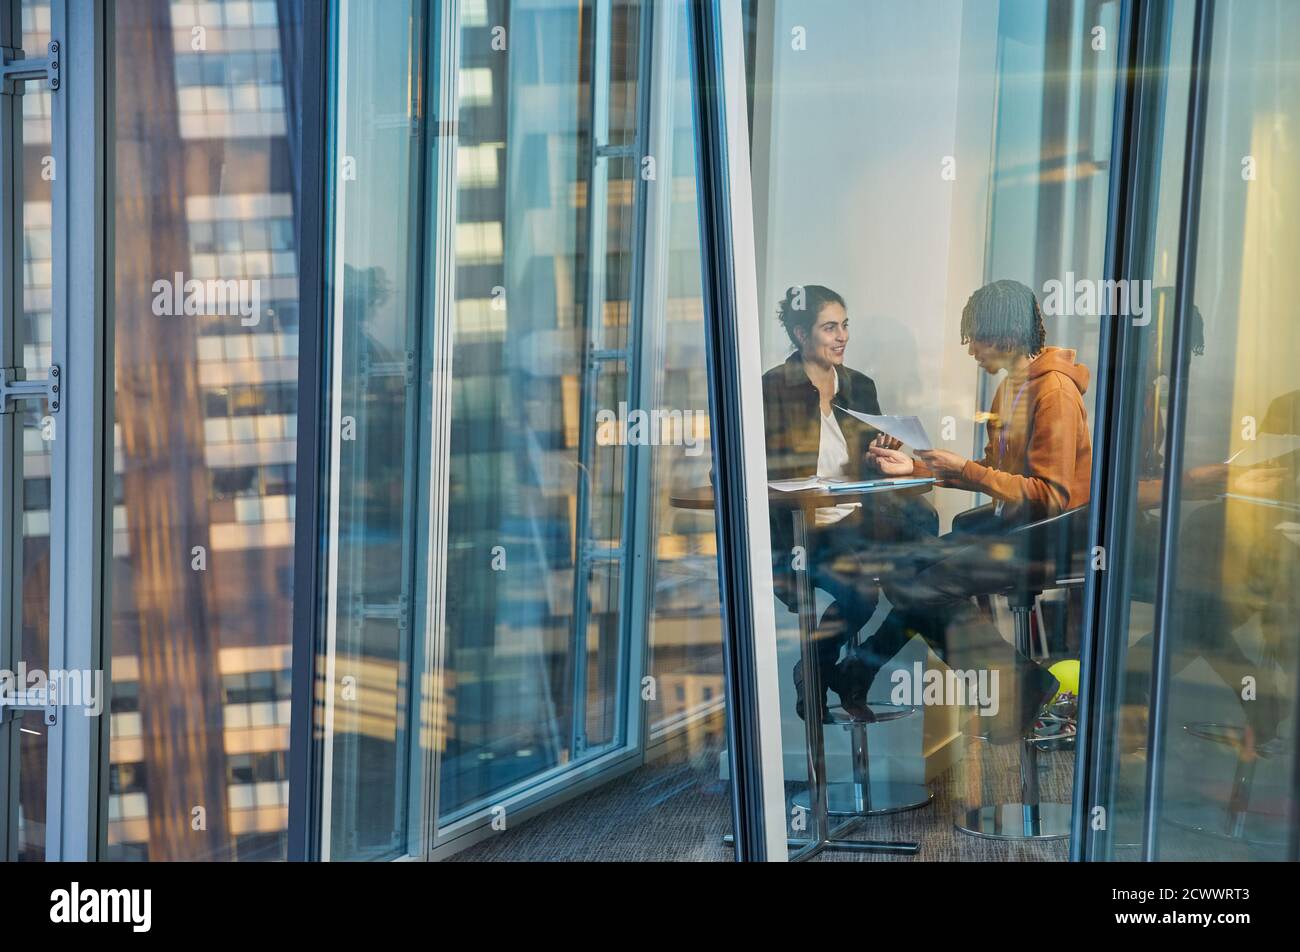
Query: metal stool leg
[(1030, 819), (821, 834), (862, 796)]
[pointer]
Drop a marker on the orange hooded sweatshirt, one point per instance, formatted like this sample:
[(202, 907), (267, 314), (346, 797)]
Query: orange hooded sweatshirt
[(1038, 461)]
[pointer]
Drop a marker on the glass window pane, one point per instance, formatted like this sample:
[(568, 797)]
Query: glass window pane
[(376, 302), (1228, 762), (580, 642), (202, 550), (919, 213)]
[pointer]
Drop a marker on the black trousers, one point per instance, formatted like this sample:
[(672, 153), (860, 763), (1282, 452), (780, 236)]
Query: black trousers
[(933, 598), (844, 559)]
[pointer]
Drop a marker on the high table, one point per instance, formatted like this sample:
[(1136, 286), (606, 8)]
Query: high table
[(802, 506)]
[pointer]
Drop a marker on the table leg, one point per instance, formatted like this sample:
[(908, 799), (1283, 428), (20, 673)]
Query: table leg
[(806, 603), (820, 832)]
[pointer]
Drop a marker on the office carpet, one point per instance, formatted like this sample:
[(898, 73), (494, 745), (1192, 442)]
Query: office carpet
[(676, 809)]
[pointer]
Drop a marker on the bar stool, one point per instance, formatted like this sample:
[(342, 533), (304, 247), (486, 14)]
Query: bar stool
[(863, 795), (1230, 821), (1049, 550)]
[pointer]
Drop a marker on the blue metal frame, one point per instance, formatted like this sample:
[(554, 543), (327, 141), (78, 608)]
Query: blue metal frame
[(1188, 237), (81, 467), (1138, 122), (721, 332), (309, 535)]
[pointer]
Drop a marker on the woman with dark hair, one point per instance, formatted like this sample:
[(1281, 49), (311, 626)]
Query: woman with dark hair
[(807, 432)]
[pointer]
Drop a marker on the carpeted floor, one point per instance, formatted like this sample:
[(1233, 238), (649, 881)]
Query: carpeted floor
[(676, 809)]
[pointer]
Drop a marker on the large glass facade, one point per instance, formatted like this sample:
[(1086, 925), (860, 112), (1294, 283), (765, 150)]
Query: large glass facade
[(205, 332), (973, 314), (1204, 752), (912, 214), (32, 343), (508, 520)]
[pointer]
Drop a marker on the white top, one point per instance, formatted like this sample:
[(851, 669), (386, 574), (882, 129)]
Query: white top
[(833, 463)]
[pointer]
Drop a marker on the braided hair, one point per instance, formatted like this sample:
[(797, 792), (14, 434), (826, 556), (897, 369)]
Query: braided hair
[(1006, 315)]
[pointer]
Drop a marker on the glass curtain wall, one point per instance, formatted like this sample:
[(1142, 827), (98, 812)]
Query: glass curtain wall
[(1205, 744), (930, 228), (376, 280), (205, 330), (33, 429), (522, 585)]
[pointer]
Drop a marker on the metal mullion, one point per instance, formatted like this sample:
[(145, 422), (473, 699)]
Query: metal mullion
[(633, 630), (440, 214), (57, 746), (412, 512), (1185, 283), (735, 406), (1136, 161), (81, 453), (313, 414), (1098, 652), (654, 138), (597, 228)]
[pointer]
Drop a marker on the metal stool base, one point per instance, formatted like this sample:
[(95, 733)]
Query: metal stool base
[(887, 796), (1214, 821), (1006, 821)]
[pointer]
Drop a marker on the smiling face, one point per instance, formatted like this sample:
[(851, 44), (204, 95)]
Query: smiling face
[(992, 360), (825, 343)]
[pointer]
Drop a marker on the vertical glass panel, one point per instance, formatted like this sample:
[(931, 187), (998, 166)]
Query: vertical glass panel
[(32, 756), (1234, 605), (687, 715), (205, 311), (376, 292), (1136, 557), (27, 432), (38, 429), (580, 641), (930, 225), (676, 639), (528, 364)]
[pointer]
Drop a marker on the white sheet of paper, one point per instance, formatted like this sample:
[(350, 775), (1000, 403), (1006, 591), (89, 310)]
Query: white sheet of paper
[(905, 428), (797, 485)]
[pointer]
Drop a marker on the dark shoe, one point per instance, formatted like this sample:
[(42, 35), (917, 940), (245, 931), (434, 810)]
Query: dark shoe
[(799, 706), (853, 677)]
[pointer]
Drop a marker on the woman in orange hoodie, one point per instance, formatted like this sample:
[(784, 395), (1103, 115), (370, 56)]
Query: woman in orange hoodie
[(1038, 459), (1037, 463)]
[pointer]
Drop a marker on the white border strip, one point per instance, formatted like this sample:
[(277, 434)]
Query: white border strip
[(750, 363)]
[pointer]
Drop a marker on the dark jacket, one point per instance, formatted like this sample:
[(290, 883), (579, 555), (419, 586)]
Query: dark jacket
[(794, 424), (793, 429)]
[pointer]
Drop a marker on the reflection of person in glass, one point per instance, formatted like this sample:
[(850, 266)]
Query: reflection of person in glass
[(1238, 560), (1234, 561), (808, 432), (1037, 464)]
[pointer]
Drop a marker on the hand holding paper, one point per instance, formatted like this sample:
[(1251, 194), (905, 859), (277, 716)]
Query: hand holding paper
[(905, 428)]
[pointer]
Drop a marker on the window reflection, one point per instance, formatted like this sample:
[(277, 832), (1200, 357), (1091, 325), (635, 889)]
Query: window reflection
[(912, 213), (205, 432), (34, 340)]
